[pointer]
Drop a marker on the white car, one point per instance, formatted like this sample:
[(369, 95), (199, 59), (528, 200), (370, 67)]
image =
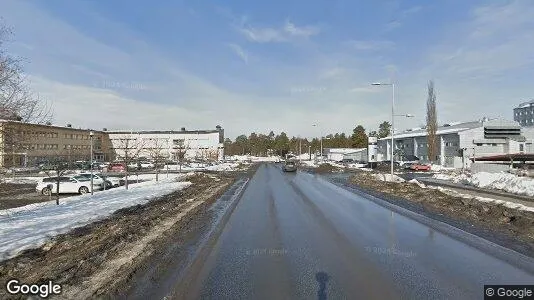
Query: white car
[(147, 165), (67, 185)]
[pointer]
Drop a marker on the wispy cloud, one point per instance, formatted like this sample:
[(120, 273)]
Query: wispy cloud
[(372, 45), (286, 33), (401, 16), (239, 51)]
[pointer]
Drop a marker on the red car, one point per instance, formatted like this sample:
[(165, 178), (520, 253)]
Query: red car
[(117, 167), (420, 167)]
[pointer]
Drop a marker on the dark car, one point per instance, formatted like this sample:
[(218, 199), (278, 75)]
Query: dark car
[(290, 166)]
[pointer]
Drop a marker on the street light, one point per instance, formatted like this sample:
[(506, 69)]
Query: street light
[(91, 134), (315, 125), (392, 118)]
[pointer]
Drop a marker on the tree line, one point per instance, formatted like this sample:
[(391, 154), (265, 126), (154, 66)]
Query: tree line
[(260, 144)]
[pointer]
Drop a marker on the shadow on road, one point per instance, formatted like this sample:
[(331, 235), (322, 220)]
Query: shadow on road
[(322, 278)]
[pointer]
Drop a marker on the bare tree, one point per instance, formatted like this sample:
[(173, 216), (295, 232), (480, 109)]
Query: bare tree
[(57, 168), (180, 151), (431, 122), (17, 102), (156, 151), (129, 147)]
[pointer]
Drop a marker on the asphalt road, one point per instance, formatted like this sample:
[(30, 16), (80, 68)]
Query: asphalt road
[(298, 236)]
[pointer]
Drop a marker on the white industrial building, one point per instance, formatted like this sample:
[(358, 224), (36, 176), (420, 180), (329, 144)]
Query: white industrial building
[(195, 144), (339, 154), (459, 143)]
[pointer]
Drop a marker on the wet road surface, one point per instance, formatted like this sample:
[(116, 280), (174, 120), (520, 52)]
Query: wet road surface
[(298, 236)]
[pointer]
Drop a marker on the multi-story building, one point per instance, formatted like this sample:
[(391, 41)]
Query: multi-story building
[(28, 144), (524, 113), (194, 144), (459, 143)]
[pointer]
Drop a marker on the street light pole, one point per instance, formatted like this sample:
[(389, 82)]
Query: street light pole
[(91, 134), (392, 119)]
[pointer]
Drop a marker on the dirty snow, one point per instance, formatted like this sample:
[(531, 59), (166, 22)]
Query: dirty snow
[(23, 180), (499, 181), (415, 181), (508, 204), (388, 178), (32, 225)]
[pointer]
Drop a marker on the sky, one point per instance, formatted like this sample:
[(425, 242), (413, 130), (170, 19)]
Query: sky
[(257, 66)]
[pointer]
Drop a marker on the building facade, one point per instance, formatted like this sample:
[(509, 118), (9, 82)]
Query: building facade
[(458, 144), (524, 113), (26, 144), (194, 144)]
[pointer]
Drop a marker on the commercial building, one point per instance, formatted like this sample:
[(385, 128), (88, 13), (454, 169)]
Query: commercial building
[(339, 154), (27, 144), (524, 113), (194, 144), (459, 143)]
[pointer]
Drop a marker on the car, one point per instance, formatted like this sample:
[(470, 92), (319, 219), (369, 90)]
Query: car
[(67, 185), (97, 179), (289, 166), (420, 167), (147, 165), (117, 167)]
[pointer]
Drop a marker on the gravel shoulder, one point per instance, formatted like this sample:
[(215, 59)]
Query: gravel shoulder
[(508, 227), (97, 260)]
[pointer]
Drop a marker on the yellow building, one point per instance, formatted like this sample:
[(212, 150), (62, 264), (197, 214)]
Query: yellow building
[(27, 144)]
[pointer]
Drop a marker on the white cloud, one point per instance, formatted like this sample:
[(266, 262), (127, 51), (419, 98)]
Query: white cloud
[(240, 52), (287, 33), (371, 45)]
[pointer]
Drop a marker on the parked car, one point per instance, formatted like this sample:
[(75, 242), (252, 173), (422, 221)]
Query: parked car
[(97, 179), (420, 167), (67, 185), (117, 167), (147, 165), (113, 181), (290, 166)]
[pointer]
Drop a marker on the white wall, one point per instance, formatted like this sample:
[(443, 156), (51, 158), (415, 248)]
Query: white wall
[(196, 144)]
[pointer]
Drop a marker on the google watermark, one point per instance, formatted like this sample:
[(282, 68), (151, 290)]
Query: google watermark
[(125, 85), (44, 290), (390, 251)]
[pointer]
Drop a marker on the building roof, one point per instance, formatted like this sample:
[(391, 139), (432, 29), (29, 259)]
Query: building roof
[(49, 126), (162, 131), (526, 104), (444, 129)]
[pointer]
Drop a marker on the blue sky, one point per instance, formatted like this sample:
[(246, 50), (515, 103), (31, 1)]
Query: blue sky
[(272, 65)]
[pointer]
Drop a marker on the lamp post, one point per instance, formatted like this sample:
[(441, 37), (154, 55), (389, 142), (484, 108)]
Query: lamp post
[(315, 125), (392, 118), (91, 134)]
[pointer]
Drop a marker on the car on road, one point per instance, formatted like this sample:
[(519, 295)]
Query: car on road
[(290, 166), (420, 167), (67, 185)]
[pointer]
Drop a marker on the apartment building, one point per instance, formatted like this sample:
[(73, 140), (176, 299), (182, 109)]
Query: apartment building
[(194, 144), (524, 113), (459, 143), (28, 144)]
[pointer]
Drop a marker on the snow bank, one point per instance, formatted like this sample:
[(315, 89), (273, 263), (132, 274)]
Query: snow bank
[(23, 180), (500, 181), (508, 204), (388, 178), (439, 168), (415, 181), (32, 225)]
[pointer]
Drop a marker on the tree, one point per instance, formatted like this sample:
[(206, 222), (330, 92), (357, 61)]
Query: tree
[(373, 133), (431, 122), (242, 143), (58, 168), (384, 129), (359, 137), (129, 147), (180, 152), (17, 102), (156, 151)]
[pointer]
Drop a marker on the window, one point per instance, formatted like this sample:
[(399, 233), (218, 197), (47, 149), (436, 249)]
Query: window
[(494, 145), (478, 144), (521, 148)]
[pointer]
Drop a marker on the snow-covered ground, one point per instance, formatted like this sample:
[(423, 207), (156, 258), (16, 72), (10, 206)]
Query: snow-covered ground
[(32, 225), (388, 177), (24, 180), (500, 181)]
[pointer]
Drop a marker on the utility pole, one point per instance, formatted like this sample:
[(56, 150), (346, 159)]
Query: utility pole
[(91, 134)]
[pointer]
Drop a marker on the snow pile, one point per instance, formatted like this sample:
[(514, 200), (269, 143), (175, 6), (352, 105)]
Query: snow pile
[(499, 181), (309, 163), (224, 167), (508, 204), (356, 166), (388, 177), (415, 181), (23, 180), (32, 225)]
